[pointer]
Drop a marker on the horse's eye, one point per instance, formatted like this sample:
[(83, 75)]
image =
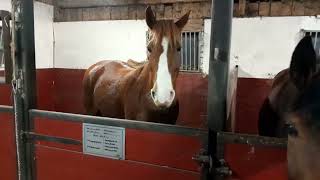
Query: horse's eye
[(179, 49), (149, 49), (291, 130)]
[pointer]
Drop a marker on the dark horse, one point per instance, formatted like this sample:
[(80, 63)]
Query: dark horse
[(286, 88), (292, 110), (139, 91)]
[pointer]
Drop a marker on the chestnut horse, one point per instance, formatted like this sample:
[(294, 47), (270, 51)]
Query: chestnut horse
[(140, 91), (292, 110)]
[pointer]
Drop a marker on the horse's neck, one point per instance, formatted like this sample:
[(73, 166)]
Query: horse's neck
[(142, 77)]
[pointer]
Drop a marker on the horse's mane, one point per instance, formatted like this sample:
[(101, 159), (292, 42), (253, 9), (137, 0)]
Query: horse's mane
[(165, 28), (135, 64)]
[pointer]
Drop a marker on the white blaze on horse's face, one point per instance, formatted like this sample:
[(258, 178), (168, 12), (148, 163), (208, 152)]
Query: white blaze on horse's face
[(162, 92)]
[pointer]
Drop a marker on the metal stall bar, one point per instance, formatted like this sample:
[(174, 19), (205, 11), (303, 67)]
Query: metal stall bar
[(186, 48), (190, 52), (253, 140), (24, 78), (132, 124), (181, 52), (221, 24), (6, 109), (5, 18), (315, 40), (194, 50)]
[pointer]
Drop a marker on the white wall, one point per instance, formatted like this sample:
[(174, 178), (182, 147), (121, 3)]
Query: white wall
[(5, 5), (262, 46), (81, 44), (43, 23)]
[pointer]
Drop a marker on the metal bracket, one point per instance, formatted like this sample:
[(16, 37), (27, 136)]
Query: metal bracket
[(223, 169), (202, 158), (17, 84), (220, 169)]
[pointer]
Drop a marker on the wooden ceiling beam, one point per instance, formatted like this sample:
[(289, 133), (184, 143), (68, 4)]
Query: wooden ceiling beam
[(100, 3)]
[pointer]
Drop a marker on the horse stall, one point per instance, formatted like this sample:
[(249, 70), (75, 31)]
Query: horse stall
[(47, 134)]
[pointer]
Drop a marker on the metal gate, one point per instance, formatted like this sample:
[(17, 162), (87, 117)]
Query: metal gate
[(44, 139)]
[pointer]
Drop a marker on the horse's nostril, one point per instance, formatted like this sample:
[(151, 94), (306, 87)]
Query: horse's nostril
[(172, 94), (153, 94)]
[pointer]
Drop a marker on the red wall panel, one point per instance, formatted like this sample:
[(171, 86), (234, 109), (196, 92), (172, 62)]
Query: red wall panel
[(250, 96), (53, 164), (5, 94), (68, 90), (141, 146), (7, 148), (256, 163), (191, 90), (45, 90), (60, 90)]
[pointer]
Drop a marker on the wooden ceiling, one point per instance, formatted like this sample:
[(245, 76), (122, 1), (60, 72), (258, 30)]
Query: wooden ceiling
[(100, 3)]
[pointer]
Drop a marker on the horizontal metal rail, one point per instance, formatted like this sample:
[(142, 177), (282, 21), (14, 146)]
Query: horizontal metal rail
[(4, 108), (2, 79), (40, 137), (132, 124), (236, 138)]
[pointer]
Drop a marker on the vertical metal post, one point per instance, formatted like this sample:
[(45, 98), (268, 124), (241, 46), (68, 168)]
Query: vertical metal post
[(315, 40), (28, 55), (185, 56), (194, 51), (221, 25), (29, 74), (186, 51), (181, 52), (190, 51), (24, 86)]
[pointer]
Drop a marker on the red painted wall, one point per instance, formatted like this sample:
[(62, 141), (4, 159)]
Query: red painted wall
[(250, 96), (8, 166), (144, 157), (60, 90), (45, 90), (192, 90)]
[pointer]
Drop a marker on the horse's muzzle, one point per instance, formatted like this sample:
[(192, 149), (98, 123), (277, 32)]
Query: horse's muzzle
[(160, 103)]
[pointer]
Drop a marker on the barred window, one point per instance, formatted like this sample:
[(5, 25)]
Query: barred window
[(190, 51), (315, 39), (1, 49)]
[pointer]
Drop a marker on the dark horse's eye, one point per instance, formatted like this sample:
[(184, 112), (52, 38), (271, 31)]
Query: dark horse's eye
[(291, 130), (179, 49), (149, 49)]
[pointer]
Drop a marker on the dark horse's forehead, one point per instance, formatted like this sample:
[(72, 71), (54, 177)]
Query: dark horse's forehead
[(307, 105)]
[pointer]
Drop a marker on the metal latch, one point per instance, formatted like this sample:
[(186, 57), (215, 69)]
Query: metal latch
[(202, 158), (222, 169), (219, 168)]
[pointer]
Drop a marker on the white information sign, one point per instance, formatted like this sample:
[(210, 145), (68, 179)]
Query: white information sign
[(105, 141)]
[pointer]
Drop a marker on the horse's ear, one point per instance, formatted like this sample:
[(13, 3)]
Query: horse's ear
[(150, 17), (183, 20), (303, 63)]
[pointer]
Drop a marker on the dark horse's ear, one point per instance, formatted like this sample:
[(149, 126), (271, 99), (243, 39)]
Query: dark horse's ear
[(303, 63), (150, 17), (183, 20)]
